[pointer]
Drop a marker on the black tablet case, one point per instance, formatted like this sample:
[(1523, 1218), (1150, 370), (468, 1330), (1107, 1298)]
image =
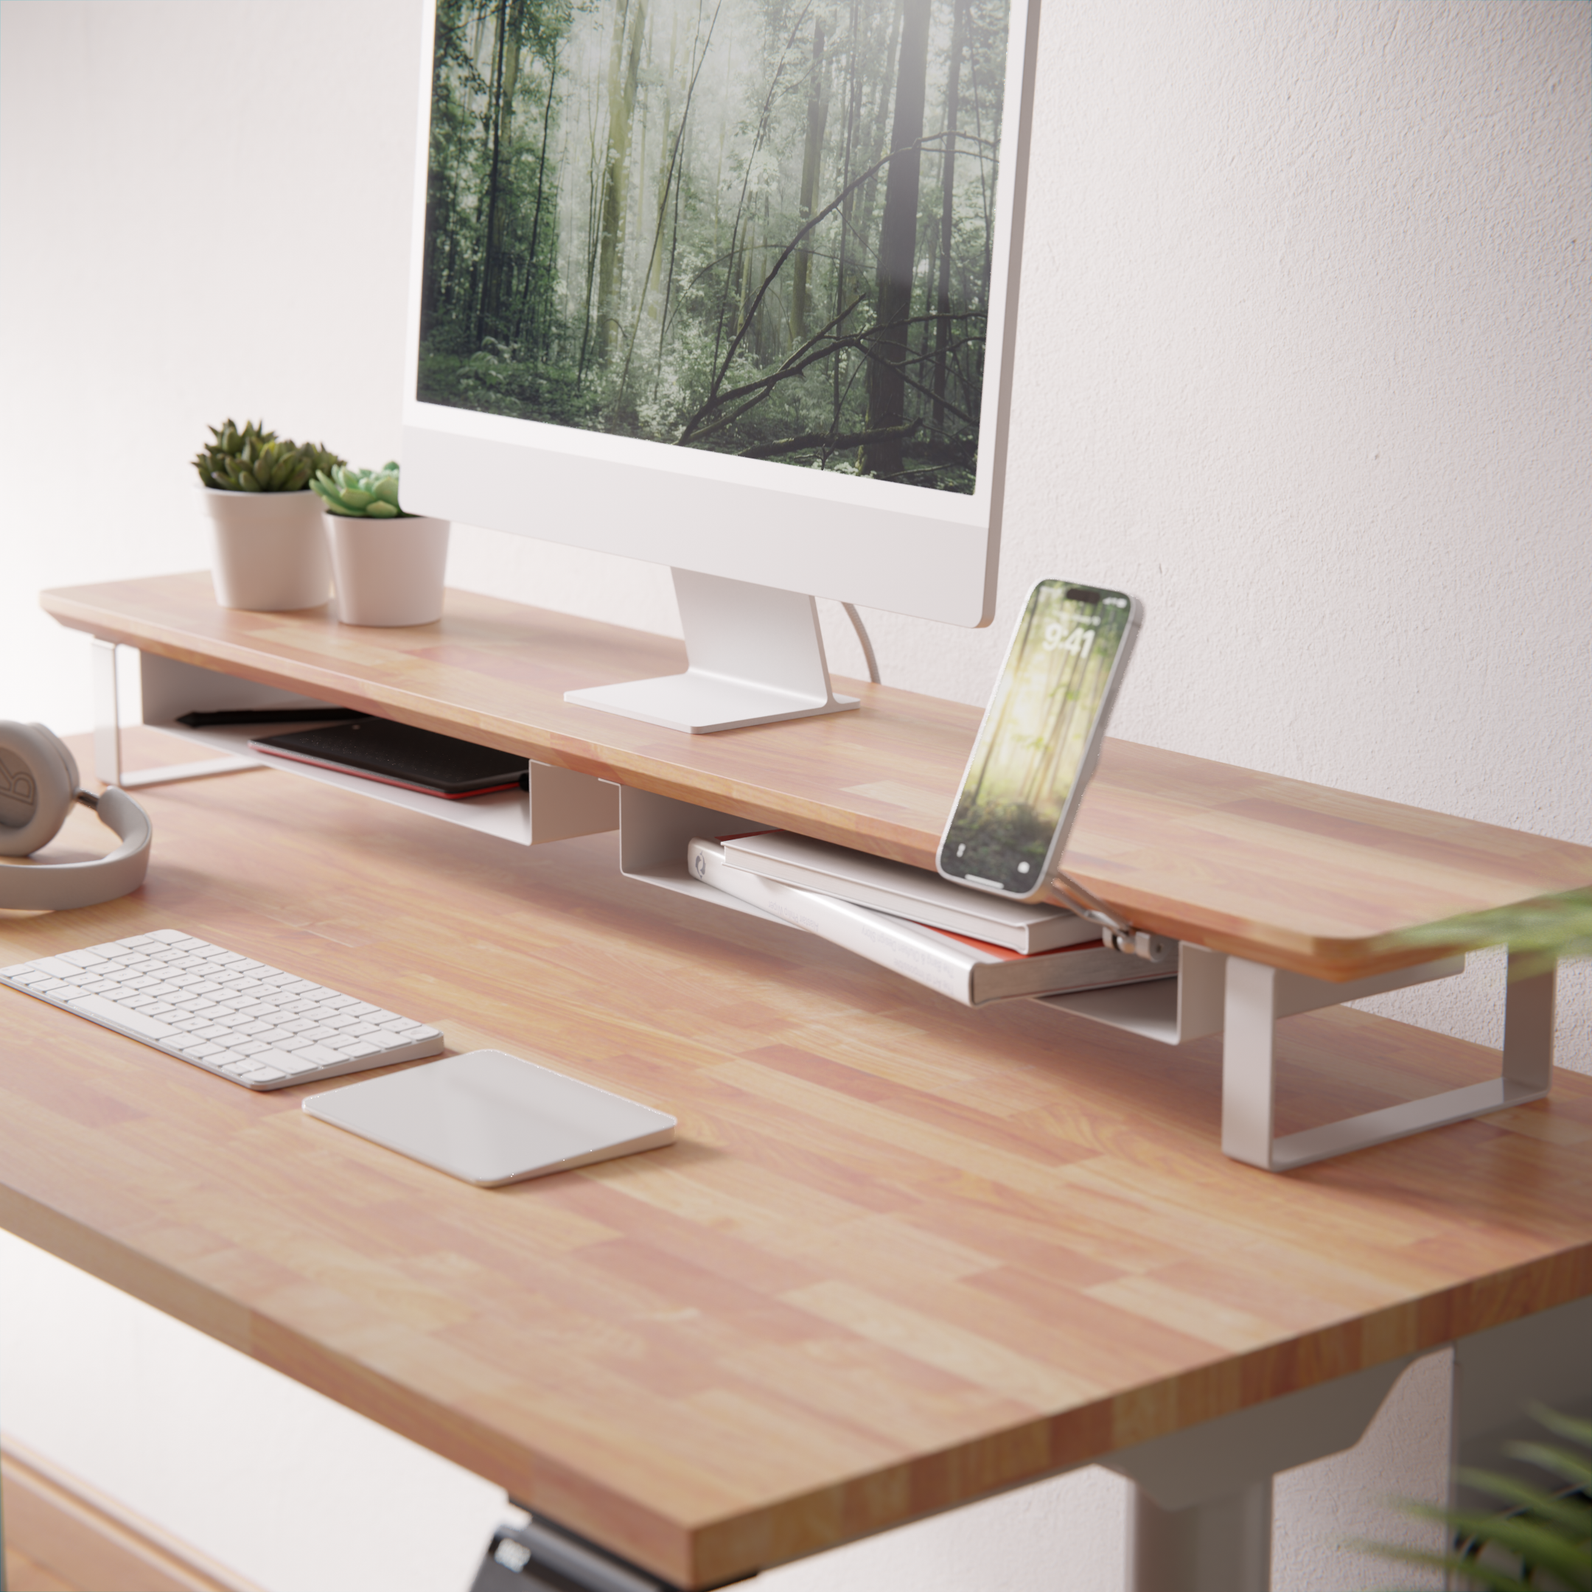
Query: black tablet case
[(400, 753)]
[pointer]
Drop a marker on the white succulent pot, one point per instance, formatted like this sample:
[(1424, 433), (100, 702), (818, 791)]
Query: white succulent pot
[(268, 550), (389, 572)]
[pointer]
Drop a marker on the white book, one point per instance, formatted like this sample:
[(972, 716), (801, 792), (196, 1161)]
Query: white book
[(966, 970), (907, 892)]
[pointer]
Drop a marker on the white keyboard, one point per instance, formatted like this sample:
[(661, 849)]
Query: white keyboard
[(203, 1004)]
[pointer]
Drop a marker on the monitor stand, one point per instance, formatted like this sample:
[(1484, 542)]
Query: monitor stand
[(754, 655)]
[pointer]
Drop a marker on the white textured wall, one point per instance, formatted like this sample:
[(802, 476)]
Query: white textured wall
[(1304, 363)]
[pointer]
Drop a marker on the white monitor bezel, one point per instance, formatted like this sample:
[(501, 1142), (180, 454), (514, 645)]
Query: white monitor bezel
[(913, 550)]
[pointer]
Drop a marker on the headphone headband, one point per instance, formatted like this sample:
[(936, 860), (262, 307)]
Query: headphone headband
[(38, 784)]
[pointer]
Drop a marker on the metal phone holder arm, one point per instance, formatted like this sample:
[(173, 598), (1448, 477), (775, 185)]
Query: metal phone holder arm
[(1116, 933)]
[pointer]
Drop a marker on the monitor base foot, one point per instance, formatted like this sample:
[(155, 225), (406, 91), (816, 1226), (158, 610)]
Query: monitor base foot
[(755, 655)]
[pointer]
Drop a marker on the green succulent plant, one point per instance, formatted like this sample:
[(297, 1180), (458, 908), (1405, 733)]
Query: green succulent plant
[(361, 494), (256, 460)]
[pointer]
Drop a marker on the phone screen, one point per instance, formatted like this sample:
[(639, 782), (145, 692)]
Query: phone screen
[(1039, 735)]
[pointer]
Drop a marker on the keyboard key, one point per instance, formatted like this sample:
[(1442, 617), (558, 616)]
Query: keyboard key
[(122, 1016), (321, 1055), (82, 958), (283, 1061), (58, 965)]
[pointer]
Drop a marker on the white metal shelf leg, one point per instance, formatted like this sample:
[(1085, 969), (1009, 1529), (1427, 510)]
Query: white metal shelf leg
[(1248, 1062), (1249, 1075), (1528, 1029), (108, 736), (107, 714)]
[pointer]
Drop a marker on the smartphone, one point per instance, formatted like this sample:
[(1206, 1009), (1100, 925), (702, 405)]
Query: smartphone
[(1040, 738)]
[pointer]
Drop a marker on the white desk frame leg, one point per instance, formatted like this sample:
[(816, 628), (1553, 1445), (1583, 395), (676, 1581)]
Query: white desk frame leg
[(1249, 1075), (1201, 1517), (108, 736)]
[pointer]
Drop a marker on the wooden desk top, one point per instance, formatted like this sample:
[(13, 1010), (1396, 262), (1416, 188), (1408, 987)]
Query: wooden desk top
[(903, 1254), (1273, 869)]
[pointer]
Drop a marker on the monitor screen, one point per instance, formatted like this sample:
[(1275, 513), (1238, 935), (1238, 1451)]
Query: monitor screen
[(726, 285)]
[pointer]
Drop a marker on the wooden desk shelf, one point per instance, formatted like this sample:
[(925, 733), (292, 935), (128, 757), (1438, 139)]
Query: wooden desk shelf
[(1292, 875), (1301, 891)]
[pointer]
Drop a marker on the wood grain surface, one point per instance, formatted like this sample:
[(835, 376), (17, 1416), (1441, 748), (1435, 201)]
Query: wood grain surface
[(903, 1254), (1283, 872)]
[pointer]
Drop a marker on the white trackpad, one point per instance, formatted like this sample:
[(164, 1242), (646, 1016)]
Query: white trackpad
[(491, 1118)]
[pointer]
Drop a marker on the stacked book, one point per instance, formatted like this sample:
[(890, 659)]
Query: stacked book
[(972, 947)]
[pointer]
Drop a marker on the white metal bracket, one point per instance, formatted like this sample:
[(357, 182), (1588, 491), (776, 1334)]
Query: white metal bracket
[(1256, 997), (654, 832)]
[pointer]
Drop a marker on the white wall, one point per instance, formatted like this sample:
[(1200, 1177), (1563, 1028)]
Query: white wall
[(1304, 363)]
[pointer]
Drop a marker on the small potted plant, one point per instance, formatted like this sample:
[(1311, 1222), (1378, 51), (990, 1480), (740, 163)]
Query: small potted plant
[(389, 564), (266, 530)]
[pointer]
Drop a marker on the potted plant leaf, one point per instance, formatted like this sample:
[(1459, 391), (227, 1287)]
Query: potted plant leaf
[(1541, 1541), (389, 565), (267, 536)]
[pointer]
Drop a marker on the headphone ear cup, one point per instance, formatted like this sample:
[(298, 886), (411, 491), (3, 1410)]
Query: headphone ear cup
[(62, 751), (38, 781)]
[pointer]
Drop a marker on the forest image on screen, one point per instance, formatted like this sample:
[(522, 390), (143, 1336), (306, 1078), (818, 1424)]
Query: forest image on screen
[(1032, 743), (762, 227)]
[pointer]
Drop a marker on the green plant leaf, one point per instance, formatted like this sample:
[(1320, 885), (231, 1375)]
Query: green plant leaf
[(1542, 931), (1549, 1533), (1573, 1514), (1573, 1428), (1540, 1546)]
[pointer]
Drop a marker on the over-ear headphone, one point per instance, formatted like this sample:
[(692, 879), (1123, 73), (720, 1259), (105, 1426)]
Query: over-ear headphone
[(38, 784)]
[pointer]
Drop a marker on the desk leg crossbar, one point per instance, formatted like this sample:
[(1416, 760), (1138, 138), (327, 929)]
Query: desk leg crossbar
[(1249, 1075)]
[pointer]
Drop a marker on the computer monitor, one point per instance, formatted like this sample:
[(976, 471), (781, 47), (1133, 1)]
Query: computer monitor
[(727, 285)]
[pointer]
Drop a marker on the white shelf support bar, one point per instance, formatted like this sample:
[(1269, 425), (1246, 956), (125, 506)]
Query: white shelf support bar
[(107, 714), (108, 736), (1249, 1075)]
